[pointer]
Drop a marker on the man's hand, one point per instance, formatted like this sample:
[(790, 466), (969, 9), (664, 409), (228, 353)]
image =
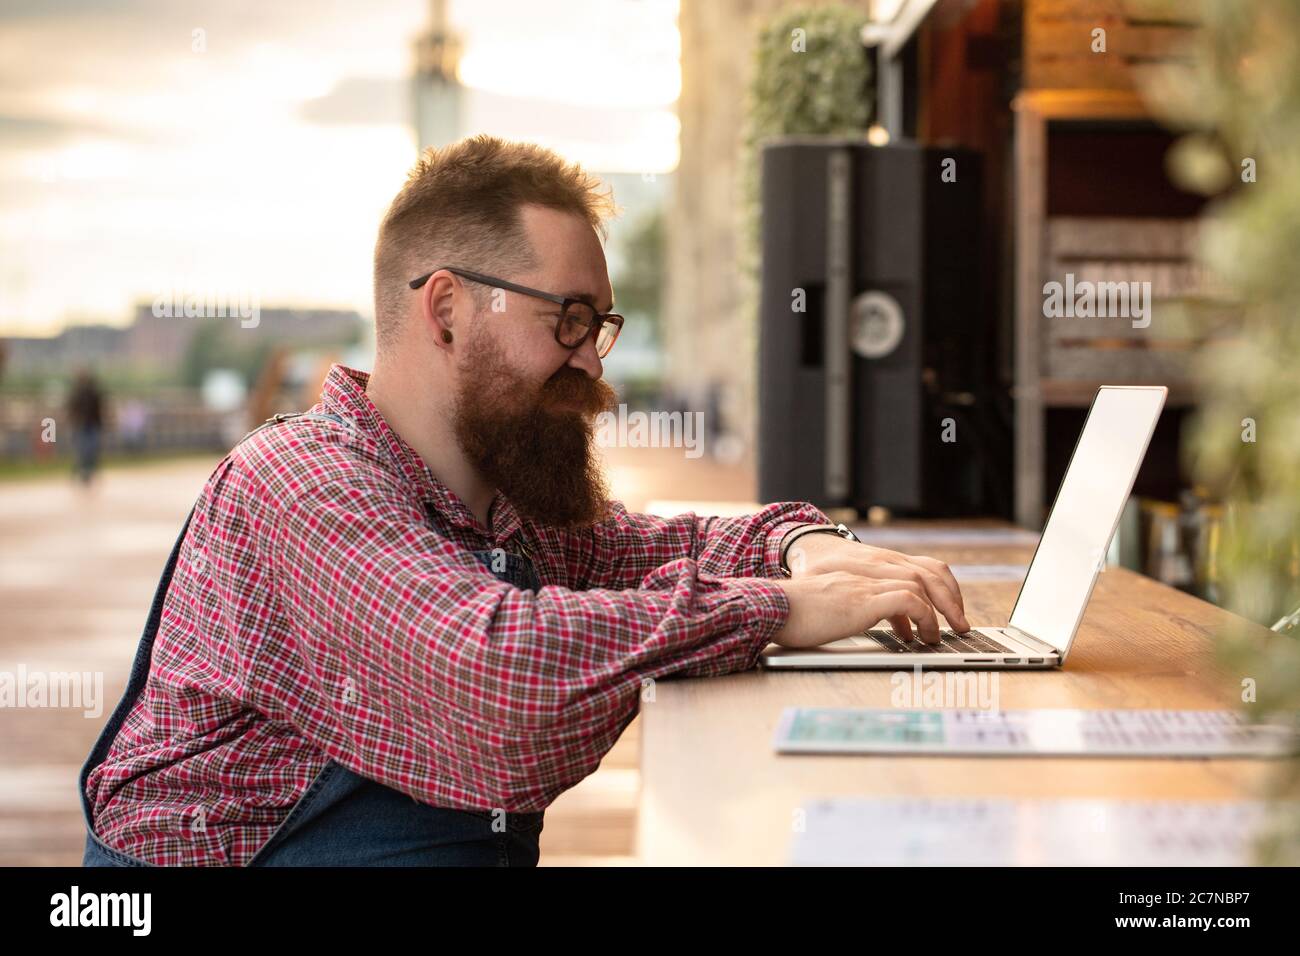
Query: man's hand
[(900, 588)]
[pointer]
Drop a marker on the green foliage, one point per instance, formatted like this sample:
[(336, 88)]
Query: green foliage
[(640, 290), (214, 345), (1241, 101), (817, 82)]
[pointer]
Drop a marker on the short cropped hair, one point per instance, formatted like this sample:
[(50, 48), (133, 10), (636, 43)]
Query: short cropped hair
[(461, 206)]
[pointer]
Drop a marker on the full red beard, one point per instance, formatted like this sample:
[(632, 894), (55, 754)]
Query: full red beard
[(536, 446)]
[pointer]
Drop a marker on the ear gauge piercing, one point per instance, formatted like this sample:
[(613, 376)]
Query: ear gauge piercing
[(446, 335)]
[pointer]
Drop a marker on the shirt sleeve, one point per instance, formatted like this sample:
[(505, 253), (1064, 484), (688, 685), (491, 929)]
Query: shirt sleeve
[(618, 552), (431, 676)]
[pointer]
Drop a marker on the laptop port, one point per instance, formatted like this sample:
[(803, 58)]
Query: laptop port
[(1035, 660), (979, 660), (1010, 660)]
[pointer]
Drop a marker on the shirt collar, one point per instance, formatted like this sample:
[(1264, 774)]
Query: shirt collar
[(344, 393)]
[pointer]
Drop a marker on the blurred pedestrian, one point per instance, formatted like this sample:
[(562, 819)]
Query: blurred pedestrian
[(86, 416)]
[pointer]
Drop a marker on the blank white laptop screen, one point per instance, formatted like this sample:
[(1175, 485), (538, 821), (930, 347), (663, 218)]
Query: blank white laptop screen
[(1086, 512)]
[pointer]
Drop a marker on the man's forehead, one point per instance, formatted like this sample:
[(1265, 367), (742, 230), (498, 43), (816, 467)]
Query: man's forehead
[(570, 260)]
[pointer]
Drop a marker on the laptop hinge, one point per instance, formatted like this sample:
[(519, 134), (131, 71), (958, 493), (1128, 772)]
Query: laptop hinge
[(1031, 640)]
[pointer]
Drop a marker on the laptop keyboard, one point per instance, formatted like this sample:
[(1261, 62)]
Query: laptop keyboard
[(950, 642)]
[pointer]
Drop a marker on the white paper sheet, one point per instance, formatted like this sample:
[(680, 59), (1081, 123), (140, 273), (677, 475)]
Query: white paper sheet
[(900, 831)]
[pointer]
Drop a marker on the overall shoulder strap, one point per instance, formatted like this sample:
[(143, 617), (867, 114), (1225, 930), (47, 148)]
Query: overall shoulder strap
[(285, 416), (279, 417)]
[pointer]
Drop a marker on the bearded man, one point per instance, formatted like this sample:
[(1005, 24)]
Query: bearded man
[(395, 628)]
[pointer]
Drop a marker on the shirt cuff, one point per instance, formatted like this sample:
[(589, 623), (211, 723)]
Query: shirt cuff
[(771, 610)]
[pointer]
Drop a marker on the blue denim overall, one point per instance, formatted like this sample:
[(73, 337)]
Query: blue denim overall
[(344, 819)]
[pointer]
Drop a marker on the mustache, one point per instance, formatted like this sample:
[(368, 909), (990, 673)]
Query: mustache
[(574, 388)]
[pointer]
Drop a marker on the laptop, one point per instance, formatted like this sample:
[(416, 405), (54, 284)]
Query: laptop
[(1062, 573)]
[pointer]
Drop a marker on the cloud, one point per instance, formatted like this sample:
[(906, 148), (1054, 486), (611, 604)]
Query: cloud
[(362, 100), (40, 132)]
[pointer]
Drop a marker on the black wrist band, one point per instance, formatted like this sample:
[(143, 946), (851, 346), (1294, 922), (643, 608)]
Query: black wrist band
[(838, 529)]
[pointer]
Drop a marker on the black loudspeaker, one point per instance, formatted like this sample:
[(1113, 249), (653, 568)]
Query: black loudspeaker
[(874, 336)]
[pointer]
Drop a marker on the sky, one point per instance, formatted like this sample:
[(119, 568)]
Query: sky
[(155, 146)]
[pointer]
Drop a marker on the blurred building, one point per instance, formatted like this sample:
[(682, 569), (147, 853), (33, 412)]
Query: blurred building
[(160, 341), (168, 339)]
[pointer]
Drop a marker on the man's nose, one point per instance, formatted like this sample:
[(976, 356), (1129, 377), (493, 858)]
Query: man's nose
[(585, 357)]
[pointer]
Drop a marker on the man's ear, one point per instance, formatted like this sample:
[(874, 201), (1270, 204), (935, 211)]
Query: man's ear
[(438, 305)]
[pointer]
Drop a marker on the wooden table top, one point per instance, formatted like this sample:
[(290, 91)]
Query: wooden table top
[(715, 792)]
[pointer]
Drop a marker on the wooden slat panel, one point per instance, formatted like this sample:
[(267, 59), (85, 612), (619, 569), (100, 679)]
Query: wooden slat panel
[(1160, 366), (1160, 11), (1073, 38), (1073, 10), (1058, 43), (1120, 238)]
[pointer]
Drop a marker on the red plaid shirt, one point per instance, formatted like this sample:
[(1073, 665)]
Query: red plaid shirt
[(316, 614)]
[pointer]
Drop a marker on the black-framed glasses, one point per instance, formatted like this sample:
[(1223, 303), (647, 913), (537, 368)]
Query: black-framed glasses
[(573, 325)]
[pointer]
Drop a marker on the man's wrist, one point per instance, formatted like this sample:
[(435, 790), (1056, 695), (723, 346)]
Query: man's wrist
[(795, 540)]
